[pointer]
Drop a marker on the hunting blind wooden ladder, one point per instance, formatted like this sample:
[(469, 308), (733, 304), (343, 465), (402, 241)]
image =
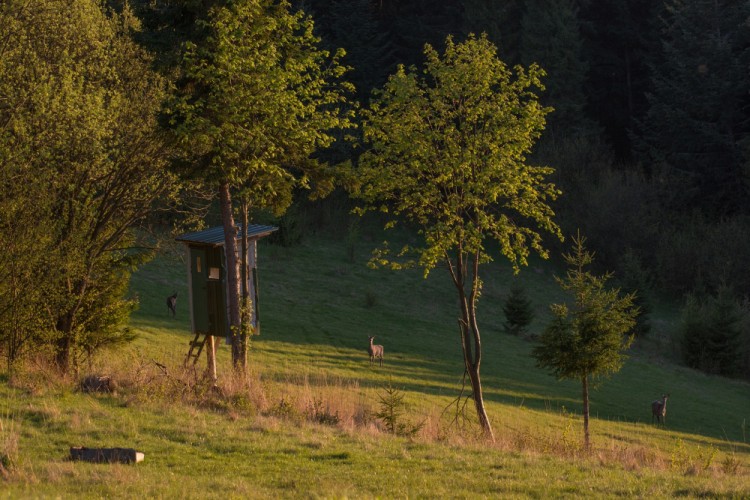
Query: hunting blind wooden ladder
[(196, 348)]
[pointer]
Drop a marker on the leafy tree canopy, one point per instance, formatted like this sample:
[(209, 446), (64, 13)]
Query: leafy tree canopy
[(447, 151), (258, 97), (81, 150)]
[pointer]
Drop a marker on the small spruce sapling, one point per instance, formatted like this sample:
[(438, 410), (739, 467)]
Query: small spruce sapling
[(392, 410), (518, 311), (587, 337)]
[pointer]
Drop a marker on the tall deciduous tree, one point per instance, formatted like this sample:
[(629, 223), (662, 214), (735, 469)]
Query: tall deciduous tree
[(588, 339), (258, 98), (447, 151), (78, 108)]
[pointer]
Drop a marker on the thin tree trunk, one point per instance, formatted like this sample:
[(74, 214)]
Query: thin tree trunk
[(472, 369), (629, 84), (246, 305), (233, 271), (64, 343), (65, 328), (585, 383), (477, 341), (470, 338)]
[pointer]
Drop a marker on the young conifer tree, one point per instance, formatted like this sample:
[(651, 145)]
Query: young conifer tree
[(586, 339), (517, 310)]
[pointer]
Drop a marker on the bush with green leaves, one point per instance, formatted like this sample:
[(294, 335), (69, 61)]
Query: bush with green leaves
[(82, 162)]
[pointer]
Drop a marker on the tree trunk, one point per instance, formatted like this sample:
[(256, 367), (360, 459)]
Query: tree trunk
[(586, 440), (472, 368), (65, 326), (246, 304), (470, 338), (233, 271), (64, 343)]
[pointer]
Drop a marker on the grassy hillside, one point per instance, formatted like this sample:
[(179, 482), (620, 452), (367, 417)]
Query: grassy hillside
[(304, 424)]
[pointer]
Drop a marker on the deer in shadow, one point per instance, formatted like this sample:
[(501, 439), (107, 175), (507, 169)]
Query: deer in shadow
[(172, 304), (376, 351), (659, 409)]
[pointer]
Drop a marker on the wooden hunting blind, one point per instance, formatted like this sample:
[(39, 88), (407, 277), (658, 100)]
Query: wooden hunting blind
[(207, 284)]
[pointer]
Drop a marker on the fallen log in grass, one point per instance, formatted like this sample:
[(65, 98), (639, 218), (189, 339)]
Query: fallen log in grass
[(106, 455)]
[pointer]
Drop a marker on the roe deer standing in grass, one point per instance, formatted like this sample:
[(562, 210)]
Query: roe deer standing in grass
[(376, 351), (172, 304), (659, 409)]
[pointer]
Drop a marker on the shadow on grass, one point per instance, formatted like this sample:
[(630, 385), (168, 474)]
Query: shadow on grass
[(418, 375)]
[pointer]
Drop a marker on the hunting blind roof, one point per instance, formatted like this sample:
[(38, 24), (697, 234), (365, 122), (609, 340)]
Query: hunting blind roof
[(215, 236)]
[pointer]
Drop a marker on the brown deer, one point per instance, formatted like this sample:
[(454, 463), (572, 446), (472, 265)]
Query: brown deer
[(172, 304), (659, 409), (376, 351)]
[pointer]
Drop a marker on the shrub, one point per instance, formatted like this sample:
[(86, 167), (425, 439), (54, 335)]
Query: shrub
[(371, 299), (286, 410), (318, 412), (711, 333), (518, 311), (696, 253), (292, 228), (392, 410)]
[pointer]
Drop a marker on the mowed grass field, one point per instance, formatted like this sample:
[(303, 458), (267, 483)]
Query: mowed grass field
[(304, 423)]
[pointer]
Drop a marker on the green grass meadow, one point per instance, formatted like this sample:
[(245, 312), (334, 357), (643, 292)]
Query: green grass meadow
[(303, 424)]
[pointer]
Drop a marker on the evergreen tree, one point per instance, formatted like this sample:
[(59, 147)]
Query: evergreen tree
[(711, 333), (697, 115), (414, 23), (517, 310), (618, 36), (551, 38), (586, 340), (353, 26), (501, 21)]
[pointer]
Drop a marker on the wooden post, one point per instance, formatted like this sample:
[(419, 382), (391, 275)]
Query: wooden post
[(211, 357)]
